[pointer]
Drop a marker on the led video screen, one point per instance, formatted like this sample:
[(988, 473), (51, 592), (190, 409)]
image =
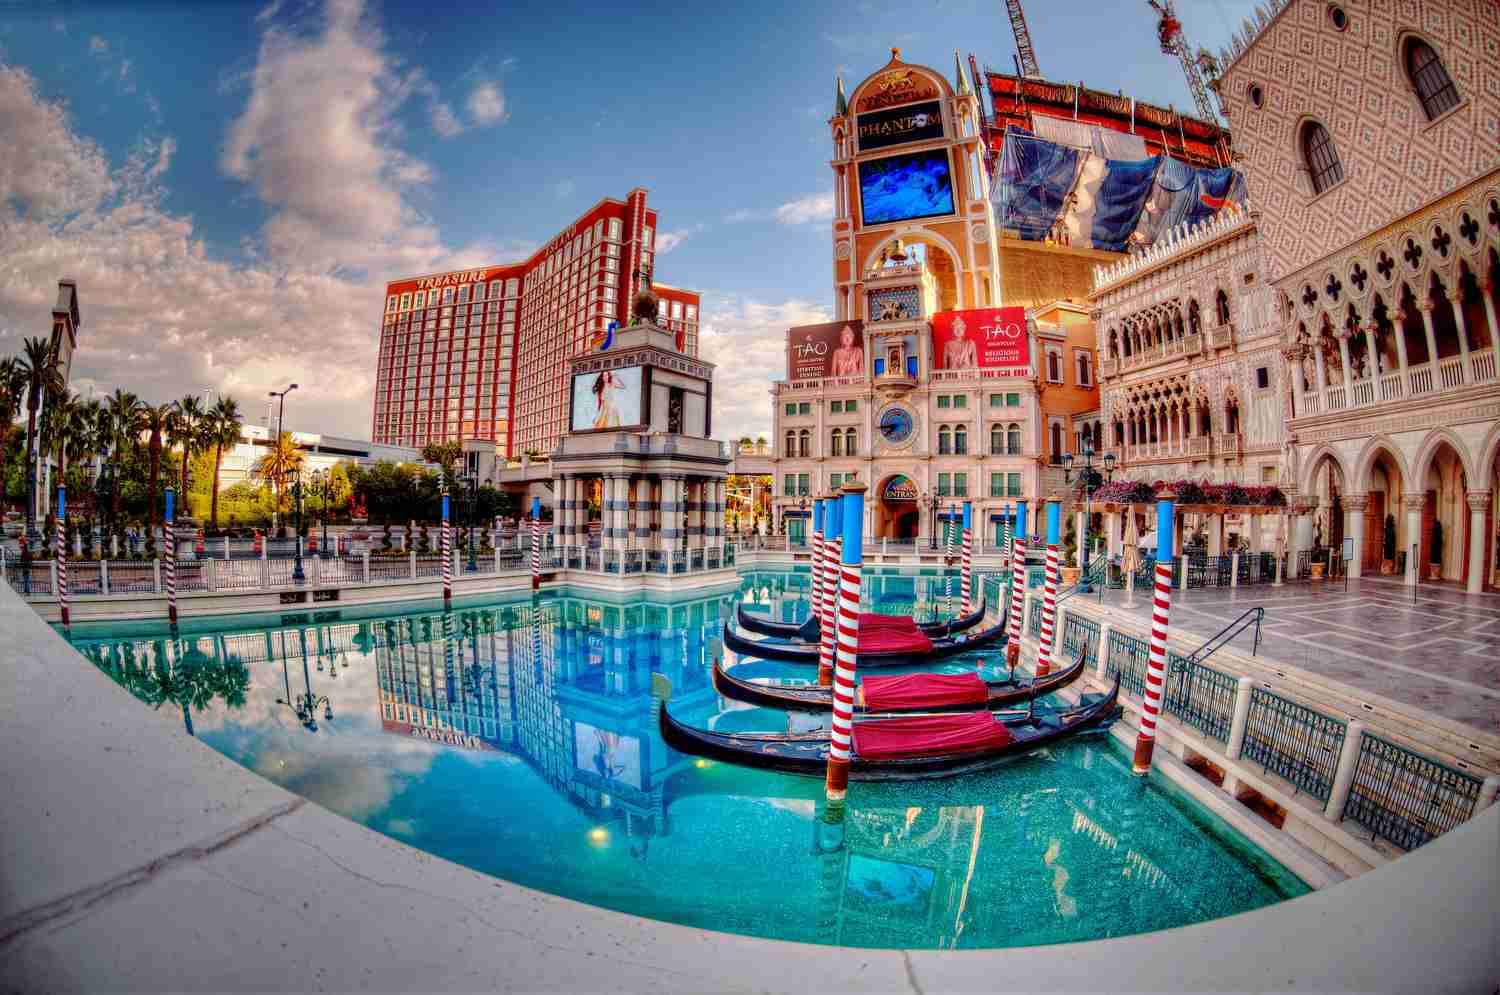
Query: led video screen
[(905, 187), (611, 399)]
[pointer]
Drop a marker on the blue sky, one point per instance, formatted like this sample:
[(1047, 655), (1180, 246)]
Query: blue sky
[(233, 183)]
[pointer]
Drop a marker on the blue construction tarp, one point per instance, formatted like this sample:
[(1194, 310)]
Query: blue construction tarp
[(1044, 189)]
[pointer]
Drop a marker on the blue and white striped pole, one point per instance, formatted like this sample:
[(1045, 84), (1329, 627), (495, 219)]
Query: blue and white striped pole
[(833, 528), (536, 543), (62, 553), (850, 562), (171, 555), (1017, 584), (966, 564), (447, 557)]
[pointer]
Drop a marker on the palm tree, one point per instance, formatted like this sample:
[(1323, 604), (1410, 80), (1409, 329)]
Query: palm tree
[(281, 463), (124, 410), (12, 389), (186, 431), (156, 418), (39, 365), (224, 428)]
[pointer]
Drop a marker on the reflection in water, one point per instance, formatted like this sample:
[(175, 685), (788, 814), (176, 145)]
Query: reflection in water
[(520, 739)]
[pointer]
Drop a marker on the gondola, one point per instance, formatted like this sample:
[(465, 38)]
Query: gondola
[(915, 651), (809, 630), (900, 748), (919, 693)]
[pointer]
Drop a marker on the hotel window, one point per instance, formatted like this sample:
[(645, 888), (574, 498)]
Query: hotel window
[(447, 295), (836, 407), (960, 441), (1013, 484), (960, 485), (997, 440), (614, 228), (835, 480), (1013, 439), (945, 485), (944, 401), (802, 484), (1430, 79), (1085, 373), (391, 303), (960, 400), (649, 235), (1321, 158), (406, 302), (1054, 367), (945, 441), (692, 312), (804, 408), (997, 485), (463, 294), (851, 442), (837, 443), (850, 407), (804, 443), (677, 310)]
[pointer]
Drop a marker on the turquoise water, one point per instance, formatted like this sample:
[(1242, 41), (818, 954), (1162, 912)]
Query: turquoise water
[(519, 740)]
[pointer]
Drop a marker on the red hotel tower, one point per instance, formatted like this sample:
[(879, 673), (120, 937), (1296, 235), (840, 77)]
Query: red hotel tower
[(482, 353)]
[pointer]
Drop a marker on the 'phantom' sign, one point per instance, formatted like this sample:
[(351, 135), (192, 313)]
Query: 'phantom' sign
[(899, 125)]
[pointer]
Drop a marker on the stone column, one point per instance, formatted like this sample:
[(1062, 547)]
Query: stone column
[(1456, 299), (1371, 350), (1348, 368), (671, 513), (1479, 503), (1485, 289), (1080, 529), (1432, 355), (1354, 528), (1400, 332), (1322, 371), (1413, 504)]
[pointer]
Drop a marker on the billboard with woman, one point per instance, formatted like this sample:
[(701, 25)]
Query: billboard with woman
[(607, 399)]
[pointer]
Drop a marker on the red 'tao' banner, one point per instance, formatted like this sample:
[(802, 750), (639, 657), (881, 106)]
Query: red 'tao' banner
[(980, 338)]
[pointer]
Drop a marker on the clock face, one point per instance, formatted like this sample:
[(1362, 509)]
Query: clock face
[(895, 425)]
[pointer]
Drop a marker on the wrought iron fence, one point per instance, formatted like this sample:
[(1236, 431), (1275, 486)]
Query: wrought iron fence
[(131, 577), (1195, 695), (429, 566), (1034, 620), (1407, 798), (390, 568), (1127, 658), (1080, 633), (1207, 571), (1294, 742)]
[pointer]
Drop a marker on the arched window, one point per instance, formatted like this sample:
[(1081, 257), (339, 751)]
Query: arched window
[(837, 449), (804, 440), (851, 442), (997, 440), (1195, 320), (945, 441), (1013, 439), (961, 441), (1085, 374), (1057, 442), (791, 444), (1054, 374), (1320, 156), (1430, 79)]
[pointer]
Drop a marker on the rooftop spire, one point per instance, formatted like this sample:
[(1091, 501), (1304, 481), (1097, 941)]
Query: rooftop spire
[(841, 102), (961, 82)]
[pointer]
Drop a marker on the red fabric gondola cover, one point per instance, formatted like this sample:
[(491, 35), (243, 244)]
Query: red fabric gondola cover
[(894, 641), (928, 735), (884, 694), (903, 623)]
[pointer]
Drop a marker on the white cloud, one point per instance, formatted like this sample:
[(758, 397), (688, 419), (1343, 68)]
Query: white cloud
[(813, 207), (444, 121), (97, 45), (316, 142), (666, 241), (161, 315), (487, 104), (747, 341), (742, 214)]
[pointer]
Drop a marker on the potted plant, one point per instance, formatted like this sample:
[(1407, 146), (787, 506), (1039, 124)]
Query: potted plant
[(1388, 546), (1070, 553), (1435, 552)]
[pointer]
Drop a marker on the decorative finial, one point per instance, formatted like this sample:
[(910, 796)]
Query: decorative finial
[(895, 54), (841, 102), (961, 86)]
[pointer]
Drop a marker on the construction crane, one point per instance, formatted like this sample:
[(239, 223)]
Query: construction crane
[(1026, 61), (1169, 33)]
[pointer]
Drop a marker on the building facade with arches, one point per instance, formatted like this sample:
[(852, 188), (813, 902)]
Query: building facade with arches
[(880, 394), (1375, 168)]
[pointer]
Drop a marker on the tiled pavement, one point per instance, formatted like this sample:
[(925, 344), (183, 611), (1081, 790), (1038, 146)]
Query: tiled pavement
[(1432, 646)]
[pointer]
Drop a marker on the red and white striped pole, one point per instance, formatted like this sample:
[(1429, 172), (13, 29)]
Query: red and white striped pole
[(966, 566), (1161, 611), (1017, 585), (1049, 592), (62, 553), (536, 543), (816, 608), (447, 557), (170, 542), (948, 564), (833, 528), (850, 560)]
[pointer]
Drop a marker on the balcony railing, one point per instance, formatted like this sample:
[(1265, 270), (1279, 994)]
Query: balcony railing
[(1337, 400), (1451, 372), (1229, 444), (1363, 392), (1222, 337), (1483, 365), (1391, 387), (1420, 378)]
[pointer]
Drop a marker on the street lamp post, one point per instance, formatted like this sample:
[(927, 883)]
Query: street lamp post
[(305, 704), (280, 411), (297, 575), (932, 502), (1092, 480)]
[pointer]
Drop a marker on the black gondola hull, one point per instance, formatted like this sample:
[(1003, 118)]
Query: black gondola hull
[(810, 698), (808, 755), (941, 649), (810, 631)]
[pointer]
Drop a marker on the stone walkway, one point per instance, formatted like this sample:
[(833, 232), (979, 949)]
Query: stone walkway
[(1433, 646)]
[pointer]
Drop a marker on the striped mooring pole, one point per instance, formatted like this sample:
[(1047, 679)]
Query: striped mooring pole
[(536, 543), (966, 564), (833, 530), (947, 567), (1045, 651), (850, 560), (170, 542), (816, 607), (447, 557), (62, 554), (1017, 584), (1161, 611)]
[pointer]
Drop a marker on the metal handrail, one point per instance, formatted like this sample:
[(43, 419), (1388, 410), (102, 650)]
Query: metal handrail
[(1220, 639), (1088, 565)]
